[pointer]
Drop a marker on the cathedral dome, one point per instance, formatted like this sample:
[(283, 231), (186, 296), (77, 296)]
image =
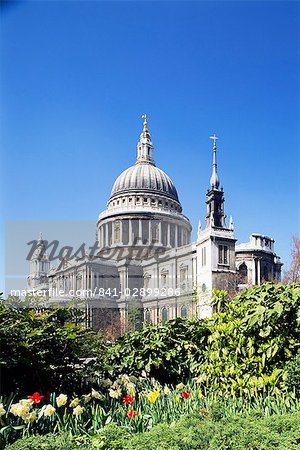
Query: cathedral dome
[(144, 177), (143, 211)]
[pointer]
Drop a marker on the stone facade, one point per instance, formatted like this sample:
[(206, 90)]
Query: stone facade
[(145, 252)]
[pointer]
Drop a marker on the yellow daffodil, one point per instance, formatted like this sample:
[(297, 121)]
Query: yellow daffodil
[(124, 379), (48, 410), (74, 402), (61, 400), (96, 394), (2, 410), (152, 396), (26, 402), (30, 417), (115, 393), (130, 388), (19, 410), (177, 398), (14, 409), (78, 410), (167, 390), (200, 395), (87, 398)]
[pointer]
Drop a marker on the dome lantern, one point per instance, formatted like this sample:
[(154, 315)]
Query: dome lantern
[(145, 146)]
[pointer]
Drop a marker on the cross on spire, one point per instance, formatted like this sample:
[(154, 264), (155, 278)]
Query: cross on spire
[(214, 138), (214, 180)]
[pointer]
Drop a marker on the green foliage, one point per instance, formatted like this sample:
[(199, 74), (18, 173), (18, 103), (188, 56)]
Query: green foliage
[(167, 353), (135, 314), (40, 349), (242, 349), (293, 374), (47, 442), (234, 433), (251, 340), (192, 432)]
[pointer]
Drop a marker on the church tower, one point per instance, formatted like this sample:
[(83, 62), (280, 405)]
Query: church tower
[(39, 266), (215, 245)]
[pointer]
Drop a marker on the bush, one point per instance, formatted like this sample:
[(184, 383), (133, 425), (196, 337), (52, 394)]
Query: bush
[(47, 442), (293, 374), (168, 353), (252, 339), (279, 432), (235, 433), (41, 351), (241, 350)]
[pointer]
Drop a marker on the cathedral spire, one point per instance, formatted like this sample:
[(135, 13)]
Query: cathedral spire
[(145, 146), (215, 198), (214, 180)]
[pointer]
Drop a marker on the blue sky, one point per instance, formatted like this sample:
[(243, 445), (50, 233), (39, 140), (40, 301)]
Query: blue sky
[(76, 77)]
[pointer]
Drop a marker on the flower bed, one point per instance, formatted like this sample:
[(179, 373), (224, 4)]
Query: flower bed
[(136, 404)]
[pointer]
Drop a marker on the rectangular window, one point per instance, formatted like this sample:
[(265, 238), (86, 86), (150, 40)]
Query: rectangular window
[(225, 251), (183, 274), (223, 254), (204, 256)]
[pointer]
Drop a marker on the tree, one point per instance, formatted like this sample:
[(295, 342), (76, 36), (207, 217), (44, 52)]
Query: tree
[(135, 314), (293, 274)]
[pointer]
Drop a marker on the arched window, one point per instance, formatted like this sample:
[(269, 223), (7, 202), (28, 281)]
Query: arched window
[(164, 315), (243, 273), (148, 316), (147, 279), (183, 311), (164, 277)]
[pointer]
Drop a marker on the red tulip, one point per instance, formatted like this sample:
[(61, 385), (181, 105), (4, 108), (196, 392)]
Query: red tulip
[(36, 397), (131, 413), (128, 399), (185, 394)]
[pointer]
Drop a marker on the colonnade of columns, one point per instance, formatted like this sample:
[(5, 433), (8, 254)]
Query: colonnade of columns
[(152, 232)]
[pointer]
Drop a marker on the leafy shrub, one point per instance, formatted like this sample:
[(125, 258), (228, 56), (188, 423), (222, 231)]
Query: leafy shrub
[(168, 353), (279, 432), (47, 442), (252, 339), (41, 350), (234, 433), (242, 349), (293, 374)]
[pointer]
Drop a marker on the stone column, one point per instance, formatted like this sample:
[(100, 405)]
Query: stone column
[(176, 235), (129, 232), (150, 237), (169, 235), (92, 279), (253, 271), (106, 234), (258, 271), (102, 236), (140, 232), (121, 232), (159, 233)]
